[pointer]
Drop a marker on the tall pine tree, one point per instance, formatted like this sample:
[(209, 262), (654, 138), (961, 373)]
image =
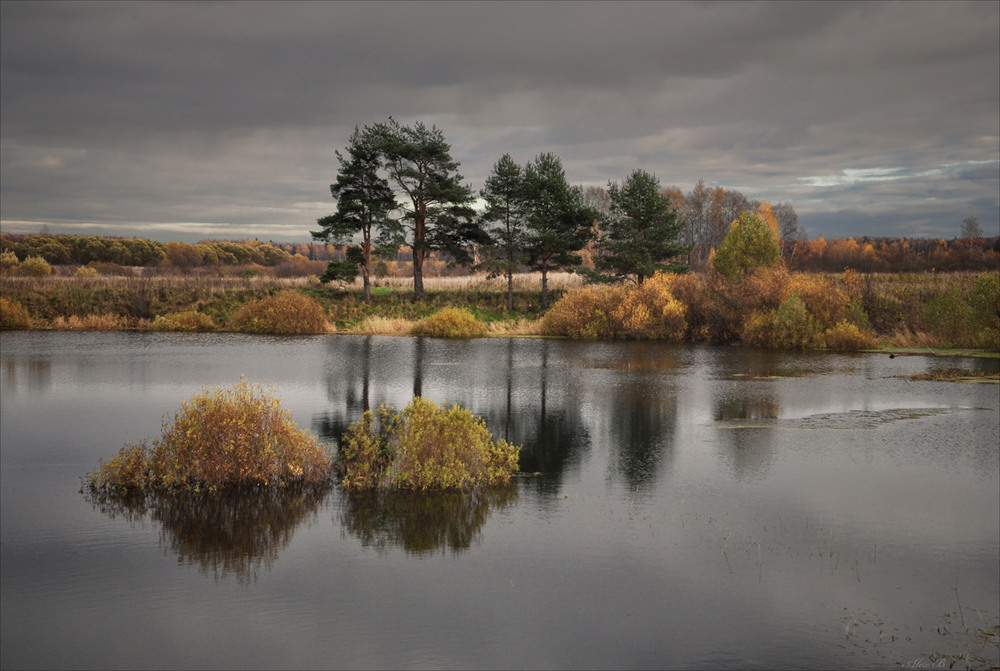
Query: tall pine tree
[(639, 234), (558, 223), (364, 202), (418, 161), (504, 219)]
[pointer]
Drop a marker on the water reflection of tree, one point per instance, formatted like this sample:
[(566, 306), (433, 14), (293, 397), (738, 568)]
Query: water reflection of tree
[(745, 434), (642, 424), (349, 382), (228, 533), (421, 523), (550, 437), (38, 373), (523, 412)]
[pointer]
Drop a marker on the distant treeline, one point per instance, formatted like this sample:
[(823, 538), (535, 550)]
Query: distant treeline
[(83, 250), (863, 254), (871, 254)]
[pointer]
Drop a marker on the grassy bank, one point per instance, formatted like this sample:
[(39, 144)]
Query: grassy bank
[(172, 303), (771, 308)]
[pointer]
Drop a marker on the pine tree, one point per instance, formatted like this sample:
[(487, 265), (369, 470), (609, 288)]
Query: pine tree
[(504, 219), (419, 162), (558, 222), (364, 202), (639, 235)]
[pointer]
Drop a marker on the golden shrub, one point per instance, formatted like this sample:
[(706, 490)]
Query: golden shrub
[(846, 336), (8, 262), (588, 313), (86, 271), (13, 315), (827, 303), (758, 328), (650, 311), (190, 320), (223, 437), (34, 266), (287, 312), (425, 447), (451, 323)]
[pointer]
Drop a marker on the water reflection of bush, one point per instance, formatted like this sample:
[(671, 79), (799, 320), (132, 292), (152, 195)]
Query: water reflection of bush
[(749, 448), (421, 523), (229, 533)]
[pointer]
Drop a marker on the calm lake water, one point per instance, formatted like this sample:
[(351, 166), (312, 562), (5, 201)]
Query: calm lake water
[(691, 507)]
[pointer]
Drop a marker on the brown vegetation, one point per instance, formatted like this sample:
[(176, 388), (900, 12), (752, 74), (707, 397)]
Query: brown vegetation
[(424, 447), (451, 322), (223, 437), (768, 307), (287, 313), (13, 315), (189, 320)]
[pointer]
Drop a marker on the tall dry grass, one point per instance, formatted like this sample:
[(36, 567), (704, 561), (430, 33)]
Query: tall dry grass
[(377, 325)]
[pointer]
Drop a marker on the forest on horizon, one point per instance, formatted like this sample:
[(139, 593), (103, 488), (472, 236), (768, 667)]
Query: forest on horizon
[(112, 255)]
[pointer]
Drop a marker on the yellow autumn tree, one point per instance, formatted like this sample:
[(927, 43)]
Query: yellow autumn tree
[(750, 244)]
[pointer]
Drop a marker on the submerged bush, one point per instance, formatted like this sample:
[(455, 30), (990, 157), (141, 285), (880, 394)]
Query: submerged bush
[(451, 323), (220, 438), (13, 315), (288, 312), (424, 447), (190, 320)]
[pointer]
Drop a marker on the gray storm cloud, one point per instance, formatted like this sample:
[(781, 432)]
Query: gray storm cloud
[(138, 117)]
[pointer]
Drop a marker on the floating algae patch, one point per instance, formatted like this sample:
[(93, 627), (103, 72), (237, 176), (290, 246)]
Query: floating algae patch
[(851, 419), (964, 376)]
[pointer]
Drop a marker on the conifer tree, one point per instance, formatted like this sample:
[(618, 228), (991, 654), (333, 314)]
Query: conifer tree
[(364, 202), (558, 223), (504, 219), (418, 161), (639, 234)]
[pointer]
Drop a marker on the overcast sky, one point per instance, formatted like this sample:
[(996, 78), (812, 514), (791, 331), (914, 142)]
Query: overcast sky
[(183, 121)]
